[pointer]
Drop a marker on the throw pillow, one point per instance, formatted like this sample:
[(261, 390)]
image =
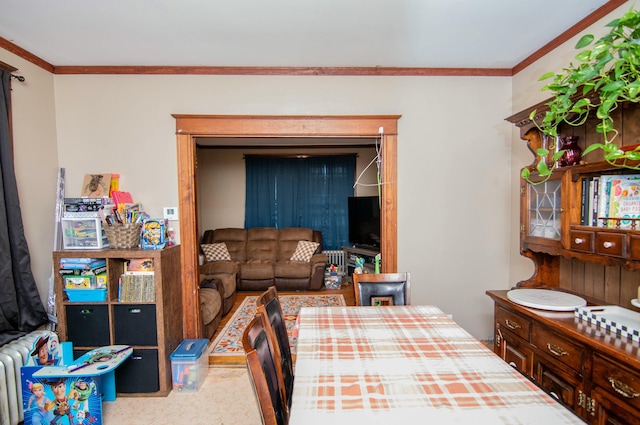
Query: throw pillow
[(304, 251), (216, 252)]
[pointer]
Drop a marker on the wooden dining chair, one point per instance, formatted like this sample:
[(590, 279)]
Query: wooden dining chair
[(259, 345), (373, 289), (268, 304)]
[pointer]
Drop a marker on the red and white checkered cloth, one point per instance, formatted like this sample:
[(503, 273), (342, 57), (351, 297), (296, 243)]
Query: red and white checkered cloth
[(413, 364)]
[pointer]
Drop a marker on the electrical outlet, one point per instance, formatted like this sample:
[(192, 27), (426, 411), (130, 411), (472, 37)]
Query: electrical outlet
[(170, 213)]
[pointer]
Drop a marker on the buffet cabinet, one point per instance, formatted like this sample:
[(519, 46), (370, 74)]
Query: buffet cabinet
[(593, 372), (152, 328)]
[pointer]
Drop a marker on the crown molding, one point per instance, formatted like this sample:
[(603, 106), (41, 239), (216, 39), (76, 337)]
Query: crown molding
[(599, 13), (283, 70), (590, 19), (24, 54)]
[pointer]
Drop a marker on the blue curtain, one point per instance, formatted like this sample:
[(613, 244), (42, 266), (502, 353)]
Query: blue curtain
[(301, 192)]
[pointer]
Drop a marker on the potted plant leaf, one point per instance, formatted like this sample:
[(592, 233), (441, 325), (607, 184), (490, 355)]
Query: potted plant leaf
[(607, 74)]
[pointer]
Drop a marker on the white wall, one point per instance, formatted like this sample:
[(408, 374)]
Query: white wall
[(36, 161), (453, 198)]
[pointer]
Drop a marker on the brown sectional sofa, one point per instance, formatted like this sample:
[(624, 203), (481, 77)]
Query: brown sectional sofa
[(261, 257), (210, 297)]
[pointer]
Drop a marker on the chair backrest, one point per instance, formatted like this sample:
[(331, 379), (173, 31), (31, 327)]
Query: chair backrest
[(382, 288), (268, 304), (259, 345)]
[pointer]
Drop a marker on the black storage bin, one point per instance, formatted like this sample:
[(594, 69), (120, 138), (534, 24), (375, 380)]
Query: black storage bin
[(138, 373), (88, 325), (135, 324)]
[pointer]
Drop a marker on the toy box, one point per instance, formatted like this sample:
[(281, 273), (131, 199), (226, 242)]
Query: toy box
[(87, 295), (189, 365)]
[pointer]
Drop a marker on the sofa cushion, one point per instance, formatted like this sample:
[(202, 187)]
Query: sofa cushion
[(214, 267), (210, 304), (292, 269), (216, 252), (256, 270), (288, 240), (262, 244), (236, 241), (304, 251)]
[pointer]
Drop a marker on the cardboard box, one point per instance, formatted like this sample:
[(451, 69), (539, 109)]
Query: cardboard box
[(189, 365)]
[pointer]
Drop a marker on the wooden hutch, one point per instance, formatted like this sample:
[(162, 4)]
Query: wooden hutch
[(592, 371)]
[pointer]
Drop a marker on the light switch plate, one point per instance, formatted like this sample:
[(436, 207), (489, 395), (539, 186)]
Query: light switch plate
[(170, 213)]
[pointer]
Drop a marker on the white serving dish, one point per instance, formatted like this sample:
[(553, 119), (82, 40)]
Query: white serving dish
[(545, 299), (613, 318)]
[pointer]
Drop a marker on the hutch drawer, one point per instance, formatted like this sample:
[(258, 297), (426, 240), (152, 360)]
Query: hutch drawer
[(558, 348), (514, 322), (612, 244), (617, 380), (581, 240)]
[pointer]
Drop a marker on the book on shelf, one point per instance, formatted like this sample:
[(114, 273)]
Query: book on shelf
[(585, 201), (589, 201), (139, 265), (618, 200), (624, 198), (137, 287), (595, 199)]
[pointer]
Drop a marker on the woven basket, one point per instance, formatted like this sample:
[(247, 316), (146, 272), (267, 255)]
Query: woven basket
[(123, 236)]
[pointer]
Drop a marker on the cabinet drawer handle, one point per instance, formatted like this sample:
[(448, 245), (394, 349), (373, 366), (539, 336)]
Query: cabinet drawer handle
[(608, 244), (622, 388), (556, 350), (512, 325), (579, 241)]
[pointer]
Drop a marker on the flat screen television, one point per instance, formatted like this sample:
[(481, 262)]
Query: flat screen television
[(364, 221)]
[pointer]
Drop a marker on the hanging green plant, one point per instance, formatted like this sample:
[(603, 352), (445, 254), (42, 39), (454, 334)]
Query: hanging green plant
[(607, 74)]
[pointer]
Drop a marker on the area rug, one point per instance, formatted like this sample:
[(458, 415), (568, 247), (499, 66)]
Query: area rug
[(226, 348)]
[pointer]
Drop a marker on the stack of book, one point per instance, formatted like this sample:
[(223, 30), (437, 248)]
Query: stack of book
[(611, 201), (137, 283)]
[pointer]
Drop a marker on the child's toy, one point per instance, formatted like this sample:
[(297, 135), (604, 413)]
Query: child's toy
[(332, 279), (73, 394), (359, 265), (153, 234)]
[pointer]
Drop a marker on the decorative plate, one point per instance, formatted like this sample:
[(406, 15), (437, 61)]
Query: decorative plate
[(545, 299)]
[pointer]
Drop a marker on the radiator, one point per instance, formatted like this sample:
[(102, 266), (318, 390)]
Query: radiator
[(12, 356), (336, 257)]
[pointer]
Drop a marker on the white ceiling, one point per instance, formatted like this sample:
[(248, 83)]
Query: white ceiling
[(288, 33)]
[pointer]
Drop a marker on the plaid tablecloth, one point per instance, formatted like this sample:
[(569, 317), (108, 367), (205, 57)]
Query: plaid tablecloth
[(397, 365)]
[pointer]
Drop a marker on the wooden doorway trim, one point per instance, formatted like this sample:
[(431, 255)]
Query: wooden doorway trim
[(190, 127)]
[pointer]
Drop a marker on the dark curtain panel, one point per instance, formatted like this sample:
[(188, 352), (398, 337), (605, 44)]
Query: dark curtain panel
[(21, 310), (301, 192)]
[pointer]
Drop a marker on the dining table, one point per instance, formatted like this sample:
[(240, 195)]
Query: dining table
[(397, 365)]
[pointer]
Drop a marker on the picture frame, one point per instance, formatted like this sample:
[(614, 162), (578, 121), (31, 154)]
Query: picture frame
[(96, 185)]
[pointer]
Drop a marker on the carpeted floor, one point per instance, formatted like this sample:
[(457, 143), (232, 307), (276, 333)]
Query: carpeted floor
[(226, 398), (226, 348)]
